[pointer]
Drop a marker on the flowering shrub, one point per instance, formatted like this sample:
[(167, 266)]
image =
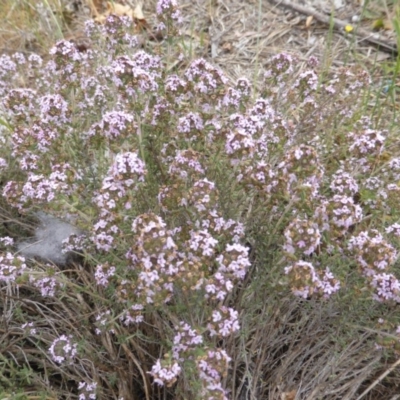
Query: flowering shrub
[(170, 175)]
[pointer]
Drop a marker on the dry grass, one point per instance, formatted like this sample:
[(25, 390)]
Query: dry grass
[(25, 27), (237, 36), (306, 348)]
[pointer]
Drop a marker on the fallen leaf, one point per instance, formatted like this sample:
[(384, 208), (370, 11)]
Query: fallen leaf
[(381, 56), (227, 46), (377, 24), (309, 21), (289, 395), (139, 17), (388, 25), (121, 10), (94, 6), (138, 12), (115, 9)]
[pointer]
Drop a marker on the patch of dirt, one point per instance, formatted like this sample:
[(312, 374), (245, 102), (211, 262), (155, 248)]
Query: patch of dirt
[(241, 36), (236, 35)]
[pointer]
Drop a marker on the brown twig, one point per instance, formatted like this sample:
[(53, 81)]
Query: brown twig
[(380, 378), (142, 373), (340, 25)]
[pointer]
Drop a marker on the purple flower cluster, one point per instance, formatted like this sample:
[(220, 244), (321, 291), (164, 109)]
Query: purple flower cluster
[(306, 282), (232, 268), (224, 322), (375, 256), (104, 322), (48, 285), (11, 267), (343, 183), (123, 178), (75, 244), (186, 340), (103, 274), (394, 229), (205, 79), (63, 349), (337, 215), (165, 373), (29, 328), (154, 257), (302, 236), (133, 314), (114, 124), (87, 391), (38, 188), (169, 16), (212, 367)]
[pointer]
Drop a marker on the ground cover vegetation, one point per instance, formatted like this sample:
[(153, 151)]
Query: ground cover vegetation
[(239, 239)]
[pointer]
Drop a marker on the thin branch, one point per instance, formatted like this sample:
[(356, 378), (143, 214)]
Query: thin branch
[(340, 25), (380, 378)]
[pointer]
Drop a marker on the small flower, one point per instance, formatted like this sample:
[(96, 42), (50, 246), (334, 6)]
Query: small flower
[(103, 274), (186, 340), (387, 287), (28, 327), (394, 229), (305, 281), (53, 109), (372, 252), (63, 349), (165, 374), (168, 14), (213, 367), (113, 125), (48, 285), (302, 236), (87, 391), (11, 267), (224, 322), (132, 315)]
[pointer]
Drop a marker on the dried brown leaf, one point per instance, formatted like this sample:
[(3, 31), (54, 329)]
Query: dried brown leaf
[(309, 21), (125, 11), (289, 395)]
